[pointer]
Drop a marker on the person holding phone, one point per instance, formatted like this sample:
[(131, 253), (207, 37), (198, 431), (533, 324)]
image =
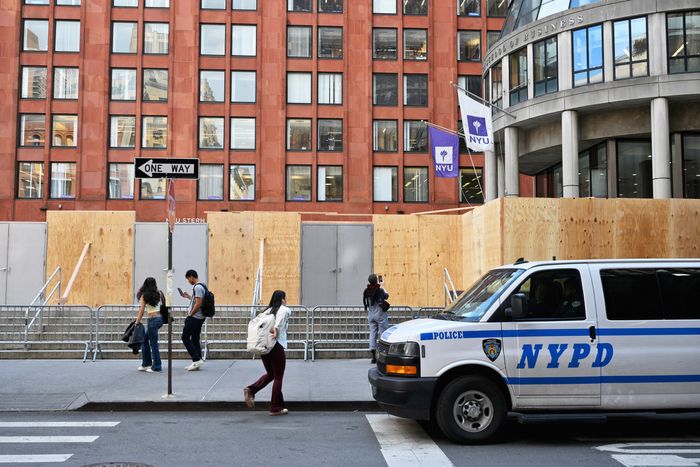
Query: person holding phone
[(194, 321), (377, 318)]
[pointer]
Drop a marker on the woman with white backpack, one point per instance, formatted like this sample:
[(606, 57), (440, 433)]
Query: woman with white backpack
[(274, 360)]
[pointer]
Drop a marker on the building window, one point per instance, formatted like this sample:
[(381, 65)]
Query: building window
[(385, 136), (330, 88), (64, 130), (496, 8), (211, 86), (469, 7), (330, 6), (330, 135), (155, 38), (65, 83), (67, 36), (329, 184), (213, 4), (157, 4), (386, 89), (549, 183), (32, 128), (470, 191), (518, 76), (300, 5), (33, 82), (497, 85), (125, 3), (243, 86), (298, 88), (385, 43), (62, 180), (683, 30), (245, 4), (491, 38), (212, 39), (298, 134), (242, 183), (415, 7), (121, 181), (155, 132), (469, 46), (415, 90), (244, 40), (634, 169), (242, 133), (415, 184), (298, 183), (155, 85), (471, 83), (415, 44), (211, 182), (546, 70), (593, 172), (36, 35), (631, 57), (123, 84), (385, 184), (386, 7), (330, 42), (415, 136), (299, 41), (588, 55), (153, 189), (124, 38), (122, 131), (691, 166), (211, 132), (36, 2), (30, 180)]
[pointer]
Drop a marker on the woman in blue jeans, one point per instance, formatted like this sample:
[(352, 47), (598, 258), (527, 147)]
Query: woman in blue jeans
[(150, 298)]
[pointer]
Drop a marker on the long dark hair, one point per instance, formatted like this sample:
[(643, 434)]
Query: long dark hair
[(369, 296), (276, 301), (149, 292)]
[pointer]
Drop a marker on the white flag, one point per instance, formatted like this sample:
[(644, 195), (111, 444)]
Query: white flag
[(476, 121)]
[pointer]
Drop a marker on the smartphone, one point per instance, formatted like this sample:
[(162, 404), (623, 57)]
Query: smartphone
[(380, 278), (182, 294)]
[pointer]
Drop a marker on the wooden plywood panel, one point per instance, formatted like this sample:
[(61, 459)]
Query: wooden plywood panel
[(440, 247), (282, 268), (67, 234), (232, 258), (530, 229), (684, 228), (601, 219), (397, 257), (112, 254), (641, 228), (482, 241)]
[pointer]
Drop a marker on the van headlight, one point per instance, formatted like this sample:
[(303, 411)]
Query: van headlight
[(403, 359), (404, 349)]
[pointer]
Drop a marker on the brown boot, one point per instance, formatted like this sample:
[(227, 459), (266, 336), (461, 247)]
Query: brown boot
[(249, 398)]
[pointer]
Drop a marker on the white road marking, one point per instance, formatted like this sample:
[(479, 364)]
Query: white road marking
[(633, 448), (47, 439), (33, 458), (661, 460), (57, 424), (404, 443)]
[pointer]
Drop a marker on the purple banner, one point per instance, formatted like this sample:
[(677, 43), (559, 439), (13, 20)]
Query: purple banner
[(445, 150)]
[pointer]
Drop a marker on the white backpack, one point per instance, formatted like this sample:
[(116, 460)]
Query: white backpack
[(260, 340)]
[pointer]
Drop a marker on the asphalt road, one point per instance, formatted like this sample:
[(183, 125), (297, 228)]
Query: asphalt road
[(333, 439)]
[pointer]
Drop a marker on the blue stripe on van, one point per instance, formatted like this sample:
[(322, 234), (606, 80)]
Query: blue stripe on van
[(648, 331), (605, 379), (450, 335)]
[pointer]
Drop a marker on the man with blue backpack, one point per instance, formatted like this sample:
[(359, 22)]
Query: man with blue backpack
[(201, 307)]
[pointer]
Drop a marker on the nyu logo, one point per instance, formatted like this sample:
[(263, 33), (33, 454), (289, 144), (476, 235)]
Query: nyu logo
[(477, 126), (530, 354), (443, 155)]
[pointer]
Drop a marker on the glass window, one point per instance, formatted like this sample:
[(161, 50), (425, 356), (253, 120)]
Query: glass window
[(155, 85), (123, 84), (497, 85), (415, 7), (415, 90), (386, 89), (518, 76), (387, 7), (211, 86), (588, 55), (385, 184), (683, 30), (243, 86), (549, 182), (298, 88), (124, 38), (631, 59), (470, 191), (593, 172), (384, 44), (122, 131), (469, 46), (528, 12), (330, 42), (330, 135), (242, 183), (32, 129), (691, 166), (153, 189), (155, 38), (36, 35), (552, 295), (211, 182), (546, 66), (469, 7), (65, 83), (491, 38), (212, 39), (121, 181), (213, 4), (62, 180), (634, 169), (33, 82), (64, 130), (298, 183), (385, 136), (36, 2), (415, 184), (299, 42), (298, 134), (415, 44), (67, 36), (631, 294), (30, 180), (244, 40), (678, 290), (551, 7), (155, 132), (415, 136), (242, 133), (329, 183), (330, 88), (125, 3), (211, 132), (157, 4), (330, 6), (496, 8), (245, 4), (471, 83), (300, 5)]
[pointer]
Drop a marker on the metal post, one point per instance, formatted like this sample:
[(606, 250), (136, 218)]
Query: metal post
[(170, 318)]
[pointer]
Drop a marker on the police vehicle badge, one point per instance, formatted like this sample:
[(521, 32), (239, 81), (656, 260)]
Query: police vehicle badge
[(492, 348)]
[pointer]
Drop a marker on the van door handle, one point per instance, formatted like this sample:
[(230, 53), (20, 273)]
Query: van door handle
[(592, 333)]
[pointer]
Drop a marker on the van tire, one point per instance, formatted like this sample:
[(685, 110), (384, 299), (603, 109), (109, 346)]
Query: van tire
[(471, 410)]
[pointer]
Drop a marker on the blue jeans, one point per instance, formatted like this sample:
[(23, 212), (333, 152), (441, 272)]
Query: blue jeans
[(150, 343), (378, 322)]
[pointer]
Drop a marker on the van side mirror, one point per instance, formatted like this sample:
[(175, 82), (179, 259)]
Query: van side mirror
[(518, 306)]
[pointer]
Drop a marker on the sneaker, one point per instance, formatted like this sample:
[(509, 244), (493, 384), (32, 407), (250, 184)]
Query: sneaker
[(151, 370), (190, 367), (249, 398), (198, 363), (280, 412), (143, 368), (193, 367)]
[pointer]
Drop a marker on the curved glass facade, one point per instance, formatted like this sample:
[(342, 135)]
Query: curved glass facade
[(523, 12)]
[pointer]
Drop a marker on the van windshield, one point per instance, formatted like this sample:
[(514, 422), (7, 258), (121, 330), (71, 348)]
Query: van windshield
[(473, 303)]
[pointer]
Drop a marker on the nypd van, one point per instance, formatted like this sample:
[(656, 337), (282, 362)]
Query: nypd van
[(557, 336)]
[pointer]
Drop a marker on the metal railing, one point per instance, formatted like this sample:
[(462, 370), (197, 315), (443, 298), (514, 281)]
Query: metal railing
[(449, 287), (39, 308)]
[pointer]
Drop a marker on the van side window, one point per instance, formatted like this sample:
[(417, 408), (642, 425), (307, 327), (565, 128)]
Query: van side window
[(553, 295), (679, 289)]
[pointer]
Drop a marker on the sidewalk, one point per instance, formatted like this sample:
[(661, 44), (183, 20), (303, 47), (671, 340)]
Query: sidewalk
[(32, 385)]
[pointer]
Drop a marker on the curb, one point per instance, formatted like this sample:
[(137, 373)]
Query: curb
[(193, 406)]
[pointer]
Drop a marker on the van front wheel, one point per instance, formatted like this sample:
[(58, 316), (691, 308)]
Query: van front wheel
[(471, 409)]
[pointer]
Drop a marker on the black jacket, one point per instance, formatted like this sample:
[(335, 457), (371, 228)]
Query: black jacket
[(134, 336)]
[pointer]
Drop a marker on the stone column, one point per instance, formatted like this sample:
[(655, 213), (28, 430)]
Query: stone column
[(569, 153), (491, 176), (512, 172), (501, 174), (660, 149)]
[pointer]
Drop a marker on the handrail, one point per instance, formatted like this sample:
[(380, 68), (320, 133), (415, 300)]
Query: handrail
[(257, 290), (449, 287), (28, 324)]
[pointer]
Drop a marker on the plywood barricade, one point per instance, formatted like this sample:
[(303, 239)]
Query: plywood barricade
[(106, 273)]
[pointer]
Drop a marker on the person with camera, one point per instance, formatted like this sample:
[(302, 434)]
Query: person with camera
[(375, 300)]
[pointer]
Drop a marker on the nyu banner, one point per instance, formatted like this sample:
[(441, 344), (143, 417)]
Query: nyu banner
[(445, 150), (476, 120)]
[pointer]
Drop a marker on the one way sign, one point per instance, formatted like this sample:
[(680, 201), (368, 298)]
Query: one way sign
[(153, 167)]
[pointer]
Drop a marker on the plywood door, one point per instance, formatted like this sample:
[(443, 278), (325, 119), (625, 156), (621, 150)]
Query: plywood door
[(150, 253), (319, 244), (354, 262), (26, 260), (189, 252), (4, 244)]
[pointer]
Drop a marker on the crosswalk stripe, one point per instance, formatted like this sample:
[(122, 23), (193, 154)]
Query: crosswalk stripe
[(33, 458), (47, 439), (58, 424), (403, 442)]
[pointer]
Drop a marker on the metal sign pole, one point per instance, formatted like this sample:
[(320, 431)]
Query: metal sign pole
[(170, 199)]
